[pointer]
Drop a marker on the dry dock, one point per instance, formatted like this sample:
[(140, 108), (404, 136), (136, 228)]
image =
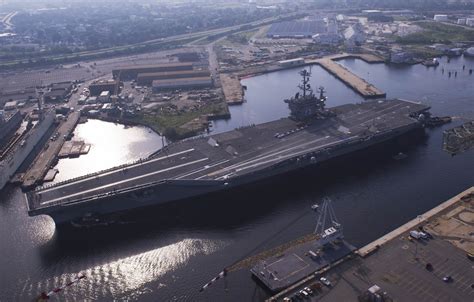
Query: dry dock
[(358, 84), (233, 90)]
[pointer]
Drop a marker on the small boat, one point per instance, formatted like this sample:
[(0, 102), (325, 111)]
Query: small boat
[(437, 121), (431, 63), (400, 156)]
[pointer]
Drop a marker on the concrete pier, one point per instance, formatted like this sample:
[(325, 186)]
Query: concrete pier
[(358, 84), (412, 224), (40, 167)]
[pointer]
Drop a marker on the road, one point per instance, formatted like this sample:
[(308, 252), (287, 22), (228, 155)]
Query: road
[(155, 42), (7, 20)]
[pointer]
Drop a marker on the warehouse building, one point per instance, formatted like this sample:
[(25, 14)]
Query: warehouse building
[(97, 87), (58, 92), (440, 18), (131, 72), (183, 83), (148, 78), (297, 29)]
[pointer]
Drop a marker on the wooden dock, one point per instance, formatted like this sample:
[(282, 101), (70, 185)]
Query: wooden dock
[(355, 82), (233, 90)]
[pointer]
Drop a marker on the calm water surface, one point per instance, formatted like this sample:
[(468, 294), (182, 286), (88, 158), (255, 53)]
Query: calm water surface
[(111, 145), (169, 253)]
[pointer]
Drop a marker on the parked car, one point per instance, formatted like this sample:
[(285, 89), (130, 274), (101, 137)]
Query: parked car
[(325, 281), (447, 279), (304, 294), (415, 234)]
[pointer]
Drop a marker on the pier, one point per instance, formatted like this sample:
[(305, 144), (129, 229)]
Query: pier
[(355, 82), (329, 63), (233, 90), (412, 224)]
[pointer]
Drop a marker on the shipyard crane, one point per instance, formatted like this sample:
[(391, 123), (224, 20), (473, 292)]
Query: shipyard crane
[(328, 228)]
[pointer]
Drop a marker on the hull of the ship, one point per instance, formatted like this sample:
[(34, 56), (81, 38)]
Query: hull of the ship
[(12, 164)]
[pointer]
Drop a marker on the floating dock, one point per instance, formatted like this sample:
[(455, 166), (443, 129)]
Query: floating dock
[(73, 149)]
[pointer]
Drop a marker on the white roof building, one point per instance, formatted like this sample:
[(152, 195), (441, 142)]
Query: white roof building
[(354, 35), (440, 18)]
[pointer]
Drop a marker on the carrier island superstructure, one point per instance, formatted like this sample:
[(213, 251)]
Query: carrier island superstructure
[(201, 165)]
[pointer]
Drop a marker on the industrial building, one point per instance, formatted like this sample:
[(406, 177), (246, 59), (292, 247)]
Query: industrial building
[(470, 22), (183, 83), (131, 72), (440, 18), (148, 78), (28, 94), (104, 97), (58, 92), (354, 35), (110, 86), (297, 29)]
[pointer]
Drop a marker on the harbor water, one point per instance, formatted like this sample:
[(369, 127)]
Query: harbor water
[(170, 252)]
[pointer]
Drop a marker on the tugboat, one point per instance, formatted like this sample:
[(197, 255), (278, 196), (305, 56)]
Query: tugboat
[(431, 63), (305, 105)]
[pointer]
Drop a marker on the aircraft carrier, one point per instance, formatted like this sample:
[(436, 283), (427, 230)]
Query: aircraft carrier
[(206, 164)]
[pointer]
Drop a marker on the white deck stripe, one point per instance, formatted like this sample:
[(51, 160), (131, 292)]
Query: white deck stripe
[(291, 155), (243, 163), (124, 181), (202, 169), (288, 156), (114, 171)]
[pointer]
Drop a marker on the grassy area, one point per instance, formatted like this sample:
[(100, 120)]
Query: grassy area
[(423, 52), (436, 32), (178, 126)]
